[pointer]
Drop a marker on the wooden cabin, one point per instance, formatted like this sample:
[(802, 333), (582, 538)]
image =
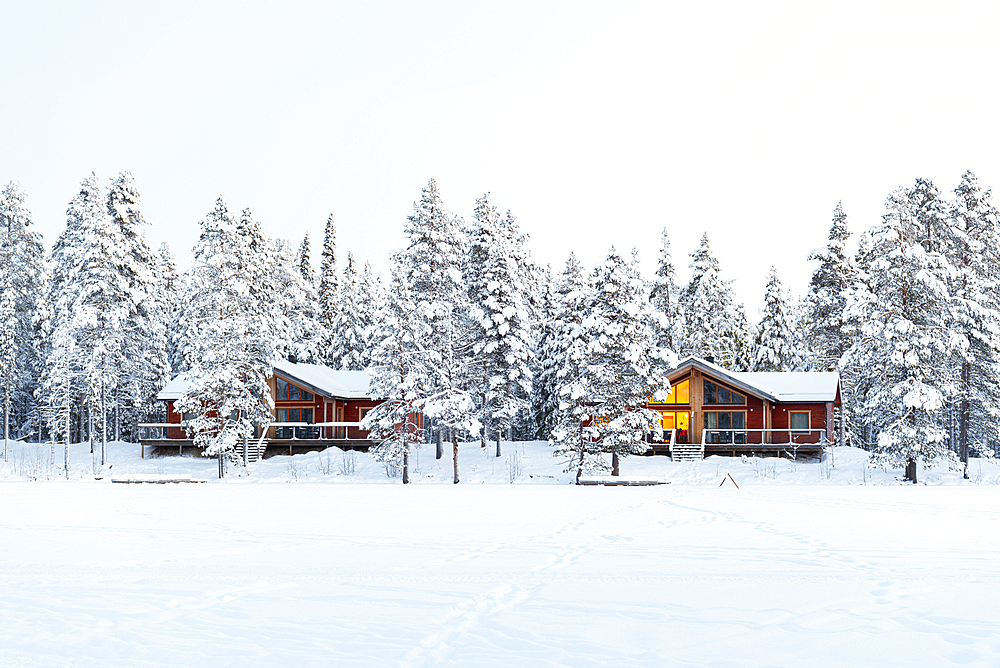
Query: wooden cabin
[(314, 407), (712, 410)]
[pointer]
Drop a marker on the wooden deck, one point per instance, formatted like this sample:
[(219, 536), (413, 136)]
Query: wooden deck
[(181, 446), (749, 449)]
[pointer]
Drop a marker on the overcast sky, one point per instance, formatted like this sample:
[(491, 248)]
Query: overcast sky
[(596, 124)]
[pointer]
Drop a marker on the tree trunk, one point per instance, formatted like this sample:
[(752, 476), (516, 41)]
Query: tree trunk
[(911, 471), (66, 448), (963, 419), (222, 466), (498, 442), (454, 450), (406, 462), (246, 452), (579, 470), (439, 452), (6, 419), (104, 429), (615, 464)]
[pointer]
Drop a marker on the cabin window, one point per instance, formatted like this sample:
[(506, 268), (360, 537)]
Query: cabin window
[(798, 421), (716, 394), (288, 392), (363, 413), (295, 415), (679, 393), (725, 426)]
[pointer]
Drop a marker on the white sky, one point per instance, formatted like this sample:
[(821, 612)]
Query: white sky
[(595, 123)]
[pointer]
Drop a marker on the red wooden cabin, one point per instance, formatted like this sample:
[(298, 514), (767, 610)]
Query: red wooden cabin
[(718, 411), (314, 407)]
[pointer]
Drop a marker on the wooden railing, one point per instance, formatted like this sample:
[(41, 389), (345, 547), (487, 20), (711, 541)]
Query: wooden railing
[(149, 431), (791, 437)]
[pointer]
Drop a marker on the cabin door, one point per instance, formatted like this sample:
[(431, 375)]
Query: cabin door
[(679, 420)]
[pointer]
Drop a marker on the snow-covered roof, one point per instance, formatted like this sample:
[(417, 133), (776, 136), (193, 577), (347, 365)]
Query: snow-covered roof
[(777, 386), (795, 386), (173, 390), (326, 381), (317, 378)]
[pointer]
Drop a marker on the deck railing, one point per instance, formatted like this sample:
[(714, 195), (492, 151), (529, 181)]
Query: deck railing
[(791, 437), (150, 431)]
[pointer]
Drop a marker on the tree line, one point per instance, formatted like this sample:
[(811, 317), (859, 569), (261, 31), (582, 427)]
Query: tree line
[(483, 342)]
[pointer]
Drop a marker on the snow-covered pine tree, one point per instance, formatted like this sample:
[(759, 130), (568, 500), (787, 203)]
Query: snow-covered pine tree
[(776, 346), (971, 241), (431, 266), (22, 280), (665, 299), (170, 289), (345, 344), (827, 333), (62, 380), (622, 369), (564, 295), (145, 366), (714, 323), (231, 313), (328, 288), (905, 348), (305, 263), (300, 334), (368, 300), (501, 323), (400, 374)]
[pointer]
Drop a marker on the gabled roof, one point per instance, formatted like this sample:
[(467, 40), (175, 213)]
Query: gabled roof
[(777, 386), (323, 380), (319, 379)]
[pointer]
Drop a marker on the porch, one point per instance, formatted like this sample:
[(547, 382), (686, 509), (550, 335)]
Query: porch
[(289, 438), (734, 442)]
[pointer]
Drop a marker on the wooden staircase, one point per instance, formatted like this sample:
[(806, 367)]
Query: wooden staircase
[(687, 452), (255, 451)]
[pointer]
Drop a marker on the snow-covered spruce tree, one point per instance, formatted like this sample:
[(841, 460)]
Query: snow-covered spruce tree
[(776, 346), (22, 280), (367, 302), (345, 346), (230, 314), (304, 263), (905, 347), (501, 323), (612, 368), (171, 289), (714, 323), (145, 367), (827, 333), (571, 292), (328, 290), (63, 379), (431, 265), (665, 299), (972, 242), (400, 374), (300, 334)]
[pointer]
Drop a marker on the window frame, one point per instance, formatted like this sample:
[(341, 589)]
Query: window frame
[(808, 426)]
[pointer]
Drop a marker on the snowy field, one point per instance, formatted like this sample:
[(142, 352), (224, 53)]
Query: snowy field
[(299, 564)]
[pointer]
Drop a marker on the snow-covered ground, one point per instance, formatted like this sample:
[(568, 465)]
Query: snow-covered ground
[(808, 564)]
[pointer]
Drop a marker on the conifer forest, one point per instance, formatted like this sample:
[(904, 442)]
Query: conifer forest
[(468, 330)]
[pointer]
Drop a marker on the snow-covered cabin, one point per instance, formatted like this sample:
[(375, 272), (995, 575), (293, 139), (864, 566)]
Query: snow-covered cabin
[(733, 412), (304, 394)]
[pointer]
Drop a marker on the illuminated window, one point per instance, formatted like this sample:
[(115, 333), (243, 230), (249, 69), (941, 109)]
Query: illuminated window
[(680, 393)]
